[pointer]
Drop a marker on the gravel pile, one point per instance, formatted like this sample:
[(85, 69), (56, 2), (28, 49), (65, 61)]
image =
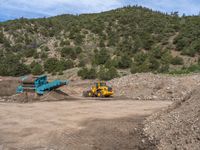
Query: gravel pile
[(55, 95), (20, 98), (8, 86), (148, 86), (177, 127)]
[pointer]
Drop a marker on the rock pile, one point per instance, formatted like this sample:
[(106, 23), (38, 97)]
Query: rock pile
[(177, 127), (148, 86)]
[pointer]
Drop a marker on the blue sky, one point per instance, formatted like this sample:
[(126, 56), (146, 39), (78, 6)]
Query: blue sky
[(12, 9)]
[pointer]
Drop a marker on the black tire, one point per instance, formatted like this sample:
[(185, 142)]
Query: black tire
[(87, 94), (99, 94)]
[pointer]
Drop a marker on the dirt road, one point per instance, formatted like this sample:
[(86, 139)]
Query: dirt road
[(75, 125)]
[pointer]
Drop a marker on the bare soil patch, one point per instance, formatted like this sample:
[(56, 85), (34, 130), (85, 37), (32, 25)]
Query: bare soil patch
[(79, 124), (114, 123)]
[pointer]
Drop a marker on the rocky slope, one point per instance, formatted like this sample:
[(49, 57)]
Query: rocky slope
[(177, 127), (148, 86)]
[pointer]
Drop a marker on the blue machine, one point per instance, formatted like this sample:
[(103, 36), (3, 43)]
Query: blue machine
[(40, 85)]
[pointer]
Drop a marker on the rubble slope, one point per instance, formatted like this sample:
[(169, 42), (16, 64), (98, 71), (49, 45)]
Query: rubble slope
[(177, 127), (148, 86)]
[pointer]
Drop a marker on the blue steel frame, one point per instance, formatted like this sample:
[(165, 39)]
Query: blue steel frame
[(41, 85)]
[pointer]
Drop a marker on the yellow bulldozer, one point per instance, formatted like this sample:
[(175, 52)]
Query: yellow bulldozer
[(99, 89)]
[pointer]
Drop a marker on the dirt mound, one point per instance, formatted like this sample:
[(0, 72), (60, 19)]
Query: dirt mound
[(8, 86), (28, 97), (178, 127), (148, 86)]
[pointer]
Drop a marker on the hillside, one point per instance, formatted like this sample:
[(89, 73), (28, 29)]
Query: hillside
[(133, 38)]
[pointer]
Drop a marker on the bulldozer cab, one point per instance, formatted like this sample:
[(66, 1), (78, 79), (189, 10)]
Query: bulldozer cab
[(100, 84)]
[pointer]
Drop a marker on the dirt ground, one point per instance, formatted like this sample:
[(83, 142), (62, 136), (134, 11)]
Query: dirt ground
[(74, 125), (8, 86), (63, 119)]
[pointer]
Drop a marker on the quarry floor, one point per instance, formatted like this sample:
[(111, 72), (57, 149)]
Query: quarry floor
[(74, 125)]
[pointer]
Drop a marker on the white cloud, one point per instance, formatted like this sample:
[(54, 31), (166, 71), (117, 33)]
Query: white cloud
[(183, 6), (53, 7), (11, 9)]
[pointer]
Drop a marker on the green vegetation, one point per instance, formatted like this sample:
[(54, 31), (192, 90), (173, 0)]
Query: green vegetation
[(131, 38), (101, 57), (102, 74), (107, 73), (11, 66), (125, 62), (53, 65), (86, 73), (37, 69), (177, 61), (157, 61), (186, 70)]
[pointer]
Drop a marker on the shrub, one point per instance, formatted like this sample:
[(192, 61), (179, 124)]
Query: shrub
[(51, 65), (81, 63), (60, 73), (107, 73), (29, 52), (78, 50), (144, 67), (64, 43), (194, 68), (181, 42), (112, 73), (101, 43), (6, 43), (68, 64), (78, 39), (11, 66), (46, 48), (125, 62), (112, 63), (102, 74), (86, 73), (101, 57), (1, 38), (68, 52), (185, 70), (37, 69), (177, 61), (134, 68), (83, 73)]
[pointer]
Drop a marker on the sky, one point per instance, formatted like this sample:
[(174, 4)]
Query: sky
[(12, 9)]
